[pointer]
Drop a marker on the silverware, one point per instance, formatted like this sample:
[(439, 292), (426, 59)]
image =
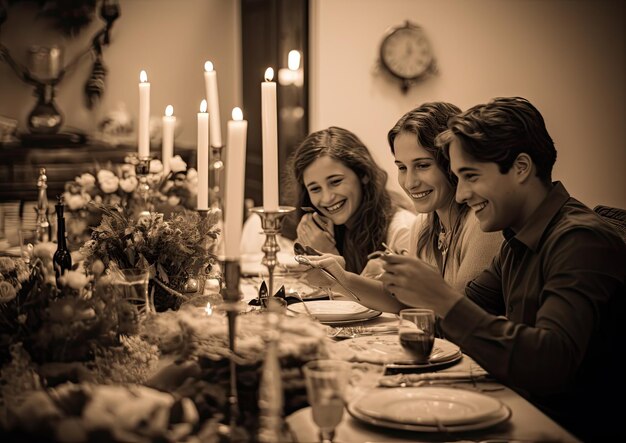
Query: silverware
[(304, 260), (306, 308)]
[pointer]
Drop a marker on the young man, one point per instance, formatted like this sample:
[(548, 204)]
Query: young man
[(547, 317)]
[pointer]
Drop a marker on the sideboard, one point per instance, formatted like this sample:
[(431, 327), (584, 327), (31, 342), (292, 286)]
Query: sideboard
[(19, 166)]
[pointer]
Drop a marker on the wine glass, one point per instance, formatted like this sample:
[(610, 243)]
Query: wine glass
[(326, 382), (417, 332)]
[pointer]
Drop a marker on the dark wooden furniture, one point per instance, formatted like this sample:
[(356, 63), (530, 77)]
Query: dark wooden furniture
[(19, 166)]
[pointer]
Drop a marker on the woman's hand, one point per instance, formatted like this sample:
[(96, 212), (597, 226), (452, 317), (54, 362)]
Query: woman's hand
[(316, 231), (333, 264)]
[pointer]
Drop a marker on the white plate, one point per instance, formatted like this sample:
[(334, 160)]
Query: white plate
[(383, 349), (334, 311), (430, 406), (502, 415)]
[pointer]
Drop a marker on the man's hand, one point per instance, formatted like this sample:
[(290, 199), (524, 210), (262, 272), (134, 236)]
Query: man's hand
[(416, 283)]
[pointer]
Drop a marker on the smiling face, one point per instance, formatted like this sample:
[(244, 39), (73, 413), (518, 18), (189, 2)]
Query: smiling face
[(334, 189), (420, 176), (494, 196)]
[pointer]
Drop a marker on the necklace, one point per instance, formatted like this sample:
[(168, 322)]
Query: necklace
[(443, 240)]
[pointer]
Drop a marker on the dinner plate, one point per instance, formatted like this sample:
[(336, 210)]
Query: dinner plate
[(334, 311), (430, 406), (386, 349), (503, 414)]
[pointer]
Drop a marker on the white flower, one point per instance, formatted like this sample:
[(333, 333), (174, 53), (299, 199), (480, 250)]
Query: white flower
[(74, 279), (108, 181), (45, 250), (156, 166), (75, 201), (129, 184), (86, 180), (127, 170), (177, 164), (192, 178)]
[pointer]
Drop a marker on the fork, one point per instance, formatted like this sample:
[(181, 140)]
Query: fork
[(304, 260)]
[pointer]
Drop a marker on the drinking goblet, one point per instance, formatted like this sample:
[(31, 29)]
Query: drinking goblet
[(417, 332), (326, 382)]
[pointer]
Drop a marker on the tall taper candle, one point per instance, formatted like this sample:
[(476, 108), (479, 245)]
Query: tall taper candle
[(212, 96), (203, 157), (235, 181), (270, 142), (144, 115), (169, 124)]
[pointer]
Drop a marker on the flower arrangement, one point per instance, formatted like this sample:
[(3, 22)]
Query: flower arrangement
[(175, 251), (60, 321), (116, 185)]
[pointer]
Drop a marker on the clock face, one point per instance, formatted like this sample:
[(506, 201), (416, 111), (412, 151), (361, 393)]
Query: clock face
[(406, 52)]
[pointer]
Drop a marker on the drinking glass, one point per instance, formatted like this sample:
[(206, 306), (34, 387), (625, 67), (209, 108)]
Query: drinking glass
[(132, 285), (417, 332), (326, 382)]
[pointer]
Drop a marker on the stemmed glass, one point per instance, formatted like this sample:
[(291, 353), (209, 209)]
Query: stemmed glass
[(326, 382)]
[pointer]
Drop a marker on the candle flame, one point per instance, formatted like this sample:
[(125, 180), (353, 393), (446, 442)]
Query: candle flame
[(208, 66), (169, 110), (237, 114), (293, 60), (208, 308), (203, 106), (269, 74), (143, 77)]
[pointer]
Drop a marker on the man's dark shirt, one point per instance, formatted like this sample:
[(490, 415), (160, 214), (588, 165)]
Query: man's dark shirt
[(548, 316)]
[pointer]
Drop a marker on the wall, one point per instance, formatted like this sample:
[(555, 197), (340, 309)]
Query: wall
[(566, 56), (170, 39)]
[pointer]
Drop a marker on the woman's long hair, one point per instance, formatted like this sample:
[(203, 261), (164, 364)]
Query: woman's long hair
[(370, 221), (426, 122)]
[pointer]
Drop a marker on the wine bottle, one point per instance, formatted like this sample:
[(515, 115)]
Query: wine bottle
[(62, 258)]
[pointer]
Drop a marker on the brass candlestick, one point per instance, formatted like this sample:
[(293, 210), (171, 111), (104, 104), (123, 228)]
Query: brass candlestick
[(271, 222), (142, 169), (232, 295), (216, 177)]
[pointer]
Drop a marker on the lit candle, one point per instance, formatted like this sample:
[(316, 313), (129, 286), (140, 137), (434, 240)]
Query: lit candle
[(203, 157), (144, 115), (169, 124), (210, 86), (270, 142), (235, 180)]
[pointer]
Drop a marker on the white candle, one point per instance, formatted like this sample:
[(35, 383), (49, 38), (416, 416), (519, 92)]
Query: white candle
[(203, 157), (210, 86), (169, 124), (270, 142), (235, 181), (144, 115)]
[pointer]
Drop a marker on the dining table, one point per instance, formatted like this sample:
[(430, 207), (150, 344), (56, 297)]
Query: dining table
[(523, 422)]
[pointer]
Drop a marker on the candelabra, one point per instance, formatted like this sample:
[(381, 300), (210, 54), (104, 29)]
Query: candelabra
[(271, 222)]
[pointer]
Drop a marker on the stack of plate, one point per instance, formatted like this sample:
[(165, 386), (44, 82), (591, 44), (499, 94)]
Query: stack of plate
[(386, 349), (429, 409), (335, 311)]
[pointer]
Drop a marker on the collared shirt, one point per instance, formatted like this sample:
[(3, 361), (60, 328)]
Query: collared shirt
[(547, 317)]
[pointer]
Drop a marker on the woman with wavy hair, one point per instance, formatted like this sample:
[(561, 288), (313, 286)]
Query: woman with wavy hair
[(445, 234), (342, 202)]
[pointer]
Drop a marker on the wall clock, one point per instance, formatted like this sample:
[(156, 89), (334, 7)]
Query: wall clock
[(406, 54)]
